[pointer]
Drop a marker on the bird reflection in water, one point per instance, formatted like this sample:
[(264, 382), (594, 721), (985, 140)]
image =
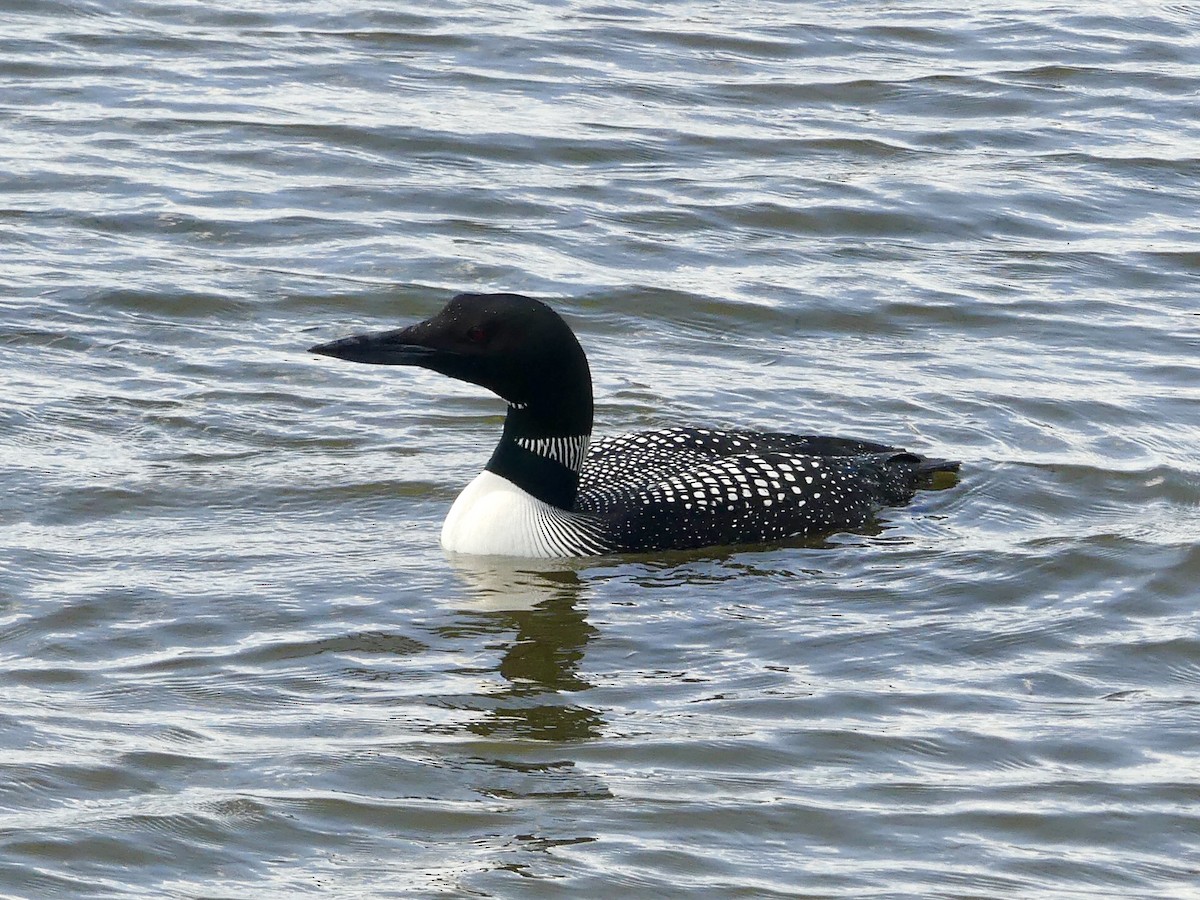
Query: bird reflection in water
[(535, 606)]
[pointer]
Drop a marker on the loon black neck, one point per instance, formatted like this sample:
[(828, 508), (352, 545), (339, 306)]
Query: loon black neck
[(542, 448), (549, 421)]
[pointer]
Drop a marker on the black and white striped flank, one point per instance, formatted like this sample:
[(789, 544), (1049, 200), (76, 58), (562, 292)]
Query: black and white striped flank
[(568, 533)]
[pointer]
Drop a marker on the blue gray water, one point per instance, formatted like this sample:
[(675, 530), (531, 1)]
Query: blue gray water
[(235, 661)]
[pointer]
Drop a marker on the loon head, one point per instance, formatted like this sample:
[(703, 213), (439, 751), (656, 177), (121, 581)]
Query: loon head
[(515, 346)]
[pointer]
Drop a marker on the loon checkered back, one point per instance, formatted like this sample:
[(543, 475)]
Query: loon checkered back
[(549, 491)]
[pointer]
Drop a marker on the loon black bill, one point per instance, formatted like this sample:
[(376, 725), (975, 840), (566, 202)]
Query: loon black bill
[(381, 348)]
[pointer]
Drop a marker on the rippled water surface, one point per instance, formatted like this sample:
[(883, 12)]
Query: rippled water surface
[(235, 661)]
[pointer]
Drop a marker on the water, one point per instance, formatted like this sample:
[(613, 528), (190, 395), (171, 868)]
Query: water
[(235, 662)]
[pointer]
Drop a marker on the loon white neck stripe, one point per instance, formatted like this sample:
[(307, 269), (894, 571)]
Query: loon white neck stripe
[(570, 451)]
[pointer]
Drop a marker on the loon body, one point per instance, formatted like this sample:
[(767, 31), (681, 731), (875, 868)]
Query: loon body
[(548, 491)]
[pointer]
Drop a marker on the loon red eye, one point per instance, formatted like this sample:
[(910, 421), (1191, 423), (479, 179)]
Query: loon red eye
[(475, 334)]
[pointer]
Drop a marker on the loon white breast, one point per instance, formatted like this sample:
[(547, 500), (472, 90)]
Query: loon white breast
[(548, 491)]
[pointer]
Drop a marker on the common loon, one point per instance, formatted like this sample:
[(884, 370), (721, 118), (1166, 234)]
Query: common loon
[(548, 491)]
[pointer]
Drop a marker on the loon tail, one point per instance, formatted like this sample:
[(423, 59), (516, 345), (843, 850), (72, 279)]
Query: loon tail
[(928, 465), (936, 473)]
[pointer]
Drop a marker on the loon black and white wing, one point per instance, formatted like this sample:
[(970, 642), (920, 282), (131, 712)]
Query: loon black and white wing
[(549, 491), (694, 487)]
